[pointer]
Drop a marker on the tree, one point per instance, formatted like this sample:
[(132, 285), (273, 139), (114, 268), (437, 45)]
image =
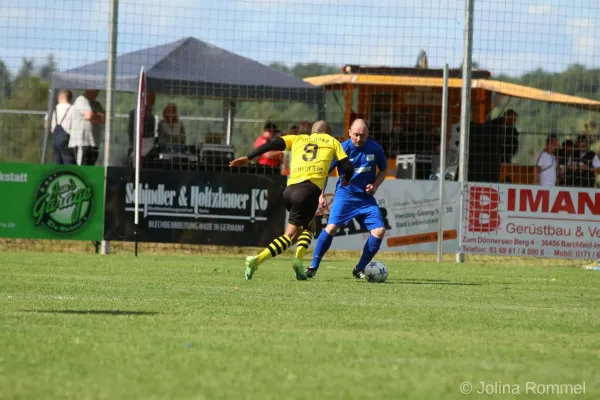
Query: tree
[(26, 71), (422, 61), (21, 135), (589, 126), (281, 67), (5, 81), (474, 65), (302, 71), (48, 68)]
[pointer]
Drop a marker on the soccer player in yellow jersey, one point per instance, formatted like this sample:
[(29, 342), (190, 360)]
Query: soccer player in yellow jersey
[(312, 156)]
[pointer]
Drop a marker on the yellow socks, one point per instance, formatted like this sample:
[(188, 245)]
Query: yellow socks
[(275, 248), (303, 244)]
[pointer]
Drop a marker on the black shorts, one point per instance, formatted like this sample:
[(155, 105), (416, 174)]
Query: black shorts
[(87, 155), (301, 200)]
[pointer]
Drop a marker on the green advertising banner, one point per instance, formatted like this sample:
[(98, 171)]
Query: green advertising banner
[(50, 201)]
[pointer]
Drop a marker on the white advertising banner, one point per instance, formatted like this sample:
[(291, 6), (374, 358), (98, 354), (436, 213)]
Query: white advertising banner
[(411, 213), (535, 221)]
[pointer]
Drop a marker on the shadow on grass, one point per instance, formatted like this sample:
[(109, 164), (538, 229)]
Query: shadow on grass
[(94, 312), (437, 283), (408, 281), (441, 282)]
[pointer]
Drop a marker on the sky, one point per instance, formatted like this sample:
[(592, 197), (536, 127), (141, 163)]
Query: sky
[(509, 37)]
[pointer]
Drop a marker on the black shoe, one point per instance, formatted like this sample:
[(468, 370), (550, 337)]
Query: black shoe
[(310, 272), (358, 273)]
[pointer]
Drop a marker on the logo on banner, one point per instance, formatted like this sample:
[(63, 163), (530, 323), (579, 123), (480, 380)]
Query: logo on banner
[(484, 202), (196, 201), (565, 202), (483, 209), (63, 202)]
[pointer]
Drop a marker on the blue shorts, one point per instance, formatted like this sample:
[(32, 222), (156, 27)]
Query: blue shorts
[(364, 209)]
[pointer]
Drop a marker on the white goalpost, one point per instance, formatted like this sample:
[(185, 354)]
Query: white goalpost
[(139, 130), (440, 249)]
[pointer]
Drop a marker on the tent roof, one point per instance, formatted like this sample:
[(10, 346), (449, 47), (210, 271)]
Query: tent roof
[(509, 89), (191, 67)]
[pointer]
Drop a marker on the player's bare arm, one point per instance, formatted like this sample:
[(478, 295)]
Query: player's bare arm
[(277, 145), (322, 198), (372, 188)]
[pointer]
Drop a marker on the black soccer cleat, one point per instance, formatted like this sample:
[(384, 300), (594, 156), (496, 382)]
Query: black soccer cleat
[(358, 273), (310, 272)]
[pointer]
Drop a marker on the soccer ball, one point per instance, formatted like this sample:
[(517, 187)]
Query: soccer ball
[(376, 272)]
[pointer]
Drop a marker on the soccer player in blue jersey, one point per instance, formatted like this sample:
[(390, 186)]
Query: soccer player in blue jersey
[(357, 199)]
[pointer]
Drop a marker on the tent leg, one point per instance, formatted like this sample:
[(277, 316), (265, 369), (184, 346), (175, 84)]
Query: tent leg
[(230, 107), (51, 98)]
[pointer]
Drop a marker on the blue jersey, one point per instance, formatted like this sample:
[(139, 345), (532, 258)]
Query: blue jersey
[(365, 160)]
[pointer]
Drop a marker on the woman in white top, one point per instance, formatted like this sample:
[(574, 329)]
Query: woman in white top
[(61, 123), (170, 129)]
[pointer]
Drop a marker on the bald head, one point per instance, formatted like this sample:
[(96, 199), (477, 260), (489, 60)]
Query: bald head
[(321, 127), (359, 124), (359, 132)]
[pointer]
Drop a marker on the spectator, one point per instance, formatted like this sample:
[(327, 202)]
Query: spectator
[(546, 163), (508, 135), (97, 128), (170, 129), (270, 158), (566, 152), (61, 121), (287, 155), (148, 127), (484, 158), (88, 118), (563, 155), (396, 136), (583, 165), (304, 128), (491, 144)]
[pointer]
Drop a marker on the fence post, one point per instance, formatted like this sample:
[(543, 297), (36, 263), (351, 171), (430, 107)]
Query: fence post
[(443, 138), (110, 89), (465, 116), (48, 126)]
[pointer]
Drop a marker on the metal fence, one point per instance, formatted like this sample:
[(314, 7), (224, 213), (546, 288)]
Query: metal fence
[(521, 73)]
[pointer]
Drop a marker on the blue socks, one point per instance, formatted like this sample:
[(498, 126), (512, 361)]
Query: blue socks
[(371, 248), (323, 244)]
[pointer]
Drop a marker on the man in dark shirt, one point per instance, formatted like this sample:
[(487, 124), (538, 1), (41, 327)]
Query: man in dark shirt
[(508, 136), (490, 144), (563, 157), (584, 165)]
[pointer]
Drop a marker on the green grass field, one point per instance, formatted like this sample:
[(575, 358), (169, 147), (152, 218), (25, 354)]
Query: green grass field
[(76, 326)]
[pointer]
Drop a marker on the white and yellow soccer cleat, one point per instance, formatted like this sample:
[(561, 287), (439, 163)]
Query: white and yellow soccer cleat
[(593, 266)]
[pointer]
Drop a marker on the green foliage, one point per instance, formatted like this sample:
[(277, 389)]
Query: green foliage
[(535, 116), (5, 81), (48, 68), (21, 134), (302, 71), (537, 119)]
